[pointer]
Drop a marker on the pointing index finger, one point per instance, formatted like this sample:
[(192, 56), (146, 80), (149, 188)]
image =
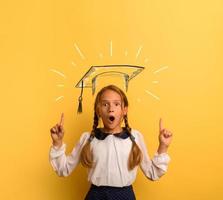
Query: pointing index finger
[(161, 124), (62, 119)]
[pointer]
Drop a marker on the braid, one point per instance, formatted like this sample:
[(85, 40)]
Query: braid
[(128, 128), (95, 125), (86, 154), (135, 156)]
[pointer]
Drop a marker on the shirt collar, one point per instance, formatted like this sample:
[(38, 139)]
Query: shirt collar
[(99, 134)]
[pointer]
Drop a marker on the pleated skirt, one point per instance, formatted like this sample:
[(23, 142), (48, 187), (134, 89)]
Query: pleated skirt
[(110, 193)]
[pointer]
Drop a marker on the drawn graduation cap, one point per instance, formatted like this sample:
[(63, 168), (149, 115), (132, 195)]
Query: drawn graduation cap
[(127, 72)]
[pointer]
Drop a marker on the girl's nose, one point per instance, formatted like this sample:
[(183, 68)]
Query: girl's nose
[(111, 109)]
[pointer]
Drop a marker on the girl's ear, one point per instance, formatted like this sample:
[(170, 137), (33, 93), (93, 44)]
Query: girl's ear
[(125, 110)]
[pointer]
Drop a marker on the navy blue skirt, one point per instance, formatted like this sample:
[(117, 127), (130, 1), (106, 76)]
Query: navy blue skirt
[(110, 193)]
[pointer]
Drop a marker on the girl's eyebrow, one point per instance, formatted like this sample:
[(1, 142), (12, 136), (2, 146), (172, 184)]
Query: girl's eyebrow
[(105, 100)]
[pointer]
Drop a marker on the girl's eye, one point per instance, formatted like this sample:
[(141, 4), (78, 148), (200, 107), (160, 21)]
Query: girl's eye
[(106, 104)]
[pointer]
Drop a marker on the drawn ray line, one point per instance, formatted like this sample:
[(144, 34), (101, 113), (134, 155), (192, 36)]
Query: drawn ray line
[(126, 52), (161, 69), (60, 85), (57, 72), (146, 60), (138, 100), (100, 55), (74, 64), (111, 48), (139, 51), (153, 95), (79, 51), (58, 98)]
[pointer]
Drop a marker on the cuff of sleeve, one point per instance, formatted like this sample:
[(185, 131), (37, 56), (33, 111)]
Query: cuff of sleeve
[(161, 160), (57, 151), (58, 148)]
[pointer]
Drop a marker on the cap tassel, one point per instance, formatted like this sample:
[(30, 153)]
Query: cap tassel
[(80, 105), (79, 110)]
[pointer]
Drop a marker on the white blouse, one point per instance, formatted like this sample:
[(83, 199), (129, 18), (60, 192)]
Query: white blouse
[(111, 158)]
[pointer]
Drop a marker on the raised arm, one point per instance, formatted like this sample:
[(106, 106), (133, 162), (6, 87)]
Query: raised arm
[(154, 168), (64, 164)]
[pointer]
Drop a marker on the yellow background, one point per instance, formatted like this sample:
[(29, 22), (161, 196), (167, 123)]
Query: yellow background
[(186, 36)]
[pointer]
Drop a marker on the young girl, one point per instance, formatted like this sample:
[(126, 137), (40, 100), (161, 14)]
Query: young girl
[(112, 153)]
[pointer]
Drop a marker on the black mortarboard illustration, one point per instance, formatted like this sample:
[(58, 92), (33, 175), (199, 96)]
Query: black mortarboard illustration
[(127, 72)]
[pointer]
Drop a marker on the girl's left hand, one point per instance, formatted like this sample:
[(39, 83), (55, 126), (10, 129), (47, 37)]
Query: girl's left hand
[(165, 136)]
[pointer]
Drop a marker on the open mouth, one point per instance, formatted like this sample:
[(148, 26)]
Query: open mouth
[(112, 118)]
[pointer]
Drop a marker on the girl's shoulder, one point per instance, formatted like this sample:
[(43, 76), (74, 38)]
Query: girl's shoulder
[(139, 138), (84, 136), (137, 134)]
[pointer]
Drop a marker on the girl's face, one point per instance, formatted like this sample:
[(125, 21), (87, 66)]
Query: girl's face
[(111, 109)]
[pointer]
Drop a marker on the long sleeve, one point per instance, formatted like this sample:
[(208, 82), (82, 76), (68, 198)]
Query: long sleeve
[(64, 164), (154, 168)]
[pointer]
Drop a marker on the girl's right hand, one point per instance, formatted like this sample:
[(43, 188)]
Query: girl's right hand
[(57, 132)]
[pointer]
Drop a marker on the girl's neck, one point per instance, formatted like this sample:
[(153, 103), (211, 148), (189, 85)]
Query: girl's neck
[(112, 131)]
